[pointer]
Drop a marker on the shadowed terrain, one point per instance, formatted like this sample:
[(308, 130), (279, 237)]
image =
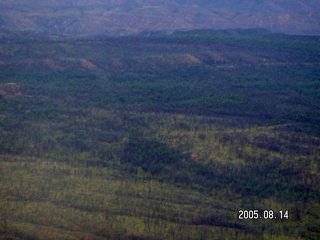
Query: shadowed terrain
[(160, 137)]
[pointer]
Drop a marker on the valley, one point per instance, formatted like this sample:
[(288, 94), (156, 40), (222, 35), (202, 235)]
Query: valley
[(159, 137)]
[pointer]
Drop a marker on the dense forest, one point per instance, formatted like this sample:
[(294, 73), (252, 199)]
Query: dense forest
[(160, 136)]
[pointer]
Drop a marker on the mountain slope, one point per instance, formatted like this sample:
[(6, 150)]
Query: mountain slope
[(124, 16)]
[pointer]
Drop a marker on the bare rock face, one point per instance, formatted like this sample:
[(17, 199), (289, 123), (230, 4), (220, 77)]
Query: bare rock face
[(133, 16)]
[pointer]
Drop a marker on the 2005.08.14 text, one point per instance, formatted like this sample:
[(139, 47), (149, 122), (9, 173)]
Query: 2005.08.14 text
[(265, 214)]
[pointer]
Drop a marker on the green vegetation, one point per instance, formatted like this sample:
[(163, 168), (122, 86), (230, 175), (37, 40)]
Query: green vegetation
[(163, 137)]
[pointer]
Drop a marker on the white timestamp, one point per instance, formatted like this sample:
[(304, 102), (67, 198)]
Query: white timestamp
[(262, 214)]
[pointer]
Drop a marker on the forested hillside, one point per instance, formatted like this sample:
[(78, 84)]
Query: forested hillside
[(160, 137), (121, 17)]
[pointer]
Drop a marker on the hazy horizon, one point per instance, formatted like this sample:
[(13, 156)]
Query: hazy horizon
[(125, 17)]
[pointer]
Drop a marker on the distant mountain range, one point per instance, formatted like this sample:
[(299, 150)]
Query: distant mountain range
[(116, 17)]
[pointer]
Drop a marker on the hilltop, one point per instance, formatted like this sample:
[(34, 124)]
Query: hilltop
[(122, 17)]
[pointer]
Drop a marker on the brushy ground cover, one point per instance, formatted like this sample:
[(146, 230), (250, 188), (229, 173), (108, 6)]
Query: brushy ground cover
[(159, 137)]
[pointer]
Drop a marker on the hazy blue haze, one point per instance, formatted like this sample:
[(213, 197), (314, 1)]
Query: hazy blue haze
[(116, 17)]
